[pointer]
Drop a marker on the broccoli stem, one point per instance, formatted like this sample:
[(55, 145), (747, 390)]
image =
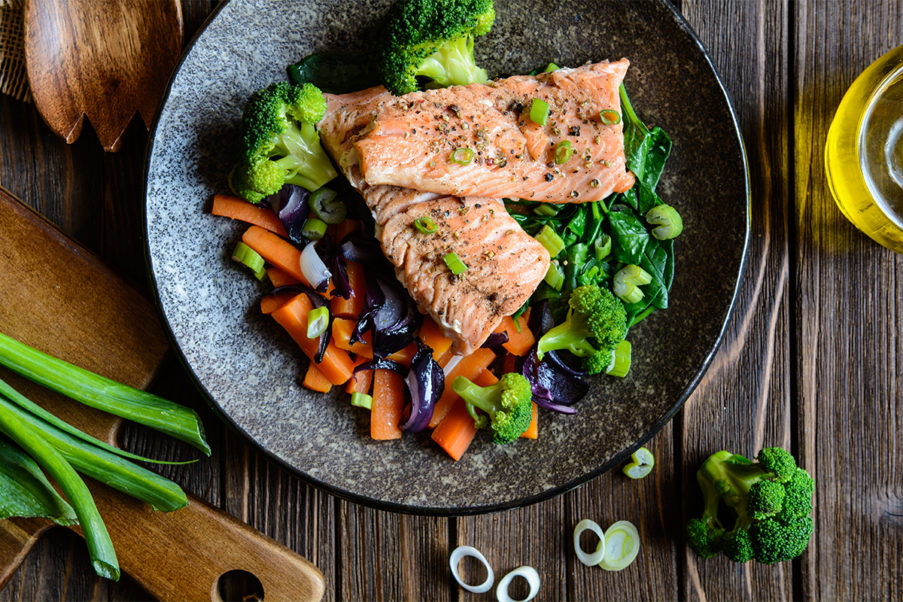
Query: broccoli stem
[(474, 395), (567, 335), (305, 161)]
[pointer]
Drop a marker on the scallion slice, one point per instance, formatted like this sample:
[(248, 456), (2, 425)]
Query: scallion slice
[(620, 360), (551, 67), (668, 220), (362, 400), (454, 263), (627, 282), (103, 393), (642, 463), (602, 246), (563, 152), (317, 322), (462, 156), (539, 111), (325, 206), (313, 228), (554, 276), (548, 238), (597, 556), (249, 258), (622, 544), (547, 209), (426, 225), (610, 117)]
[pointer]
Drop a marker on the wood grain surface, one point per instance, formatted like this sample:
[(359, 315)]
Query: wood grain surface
[(812, 360)]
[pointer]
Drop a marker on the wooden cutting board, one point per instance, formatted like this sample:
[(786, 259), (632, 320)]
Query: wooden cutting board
[(59, 298)]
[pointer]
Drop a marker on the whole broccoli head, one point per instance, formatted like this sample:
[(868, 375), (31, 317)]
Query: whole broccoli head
[(279, 143), (595, 324), (770, 502), (432, 39), (508, 405)]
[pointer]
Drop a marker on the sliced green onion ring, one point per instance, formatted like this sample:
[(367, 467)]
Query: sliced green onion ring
[(610, 117), (551, 67), (668, 220), (313, 228), (362, 400), (426, 225), (249, 258), (317, 322), (468, 551), (550, 239), (454, 263), (622, 544), (563, 151), (547, 209), (539, 111), (528, 573), (602, 246), (620, 360), (627, 282), (325, 206), (462, 156), (596, 557), (554, 276), (642, 463)]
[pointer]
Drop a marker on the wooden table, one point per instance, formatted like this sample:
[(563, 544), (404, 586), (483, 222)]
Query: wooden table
[(812, 361)]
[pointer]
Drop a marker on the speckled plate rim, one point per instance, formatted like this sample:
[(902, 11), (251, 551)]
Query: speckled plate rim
[(474, 509)]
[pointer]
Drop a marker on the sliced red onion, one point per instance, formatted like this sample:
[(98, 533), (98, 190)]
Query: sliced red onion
[(553, 388), (332, 257), (495, 339), (383, 364), (314, 269), (360, 248), (555, 407), (541, 320), (290, 204), (425, 380)]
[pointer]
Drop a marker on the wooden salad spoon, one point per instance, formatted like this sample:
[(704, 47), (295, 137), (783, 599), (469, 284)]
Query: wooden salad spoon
[(104, 59)]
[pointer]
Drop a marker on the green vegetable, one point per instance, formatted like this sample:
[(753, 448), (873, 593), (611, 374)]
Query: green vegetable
[(26, 492), (550, 240), (462, 156), (313, 228), (100, 547), (596, 322), (629, 235), (554, 276), (432, 40), (324, 205), (279, 144), (642, 462), (551, 67), (622, 545), (563, 151), (539, 111), (362, 400), (576, 259), (454, 263), (620, 360), (769, 502), (668, 220), (249, 258), (602, 246), (627, 282), (426, 225), (335, 72), (610, 117), (317, 322), (507, 403), (547, 209), (102, 393)]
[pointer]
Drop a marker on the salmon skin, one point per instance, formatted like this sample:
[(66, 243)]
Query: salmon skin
[(504, 264), (410, 141)]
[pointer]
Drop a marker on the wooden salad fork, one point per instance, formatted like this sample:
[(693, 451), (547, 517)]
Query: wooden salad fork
[(100, 59)]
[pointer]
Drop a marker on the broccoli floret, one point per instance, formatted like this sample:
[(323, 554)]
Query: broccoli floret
[(279, 143), (508, 404), (595, 324), (769, 501), (432, 39)]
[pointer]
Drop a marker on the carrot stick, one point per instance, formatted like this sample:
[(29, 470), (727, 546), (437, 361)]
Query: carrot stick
[(336, 365), (280, 277), (388, 403), (276, 251), (455, 432), (469, 367), (272, 302), (354, 305), (486, 378), (360, 381), (519, 343), (341, 336), (405, 355), (316, 380), (432, 337), (233, 207), (532, 431)]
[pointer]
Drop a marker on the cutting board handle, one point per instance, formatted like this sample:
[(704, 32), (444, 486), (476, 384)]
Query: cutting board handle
[(17, 537), (182, 555)]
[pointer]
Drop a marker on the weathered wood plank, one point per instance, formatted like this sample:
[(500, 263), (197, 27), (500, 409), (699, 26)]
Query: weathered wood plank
[(743, 402), (849, 327)]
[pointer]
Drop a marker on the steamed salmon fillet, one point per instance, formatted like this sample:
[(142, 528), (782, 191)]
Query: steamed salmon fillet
[(504, 264), (409, 140)]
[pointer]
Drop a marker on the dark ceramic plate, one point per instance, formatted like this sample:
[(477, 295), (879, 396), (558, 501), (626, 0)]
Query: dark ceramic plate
[(252, 371)]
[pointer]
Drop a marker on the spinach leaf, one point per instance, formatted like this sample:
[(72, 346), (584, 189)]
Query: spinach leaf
[(578, 222), (25, 491), (629, 235), (335, 72), (657, 145)]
